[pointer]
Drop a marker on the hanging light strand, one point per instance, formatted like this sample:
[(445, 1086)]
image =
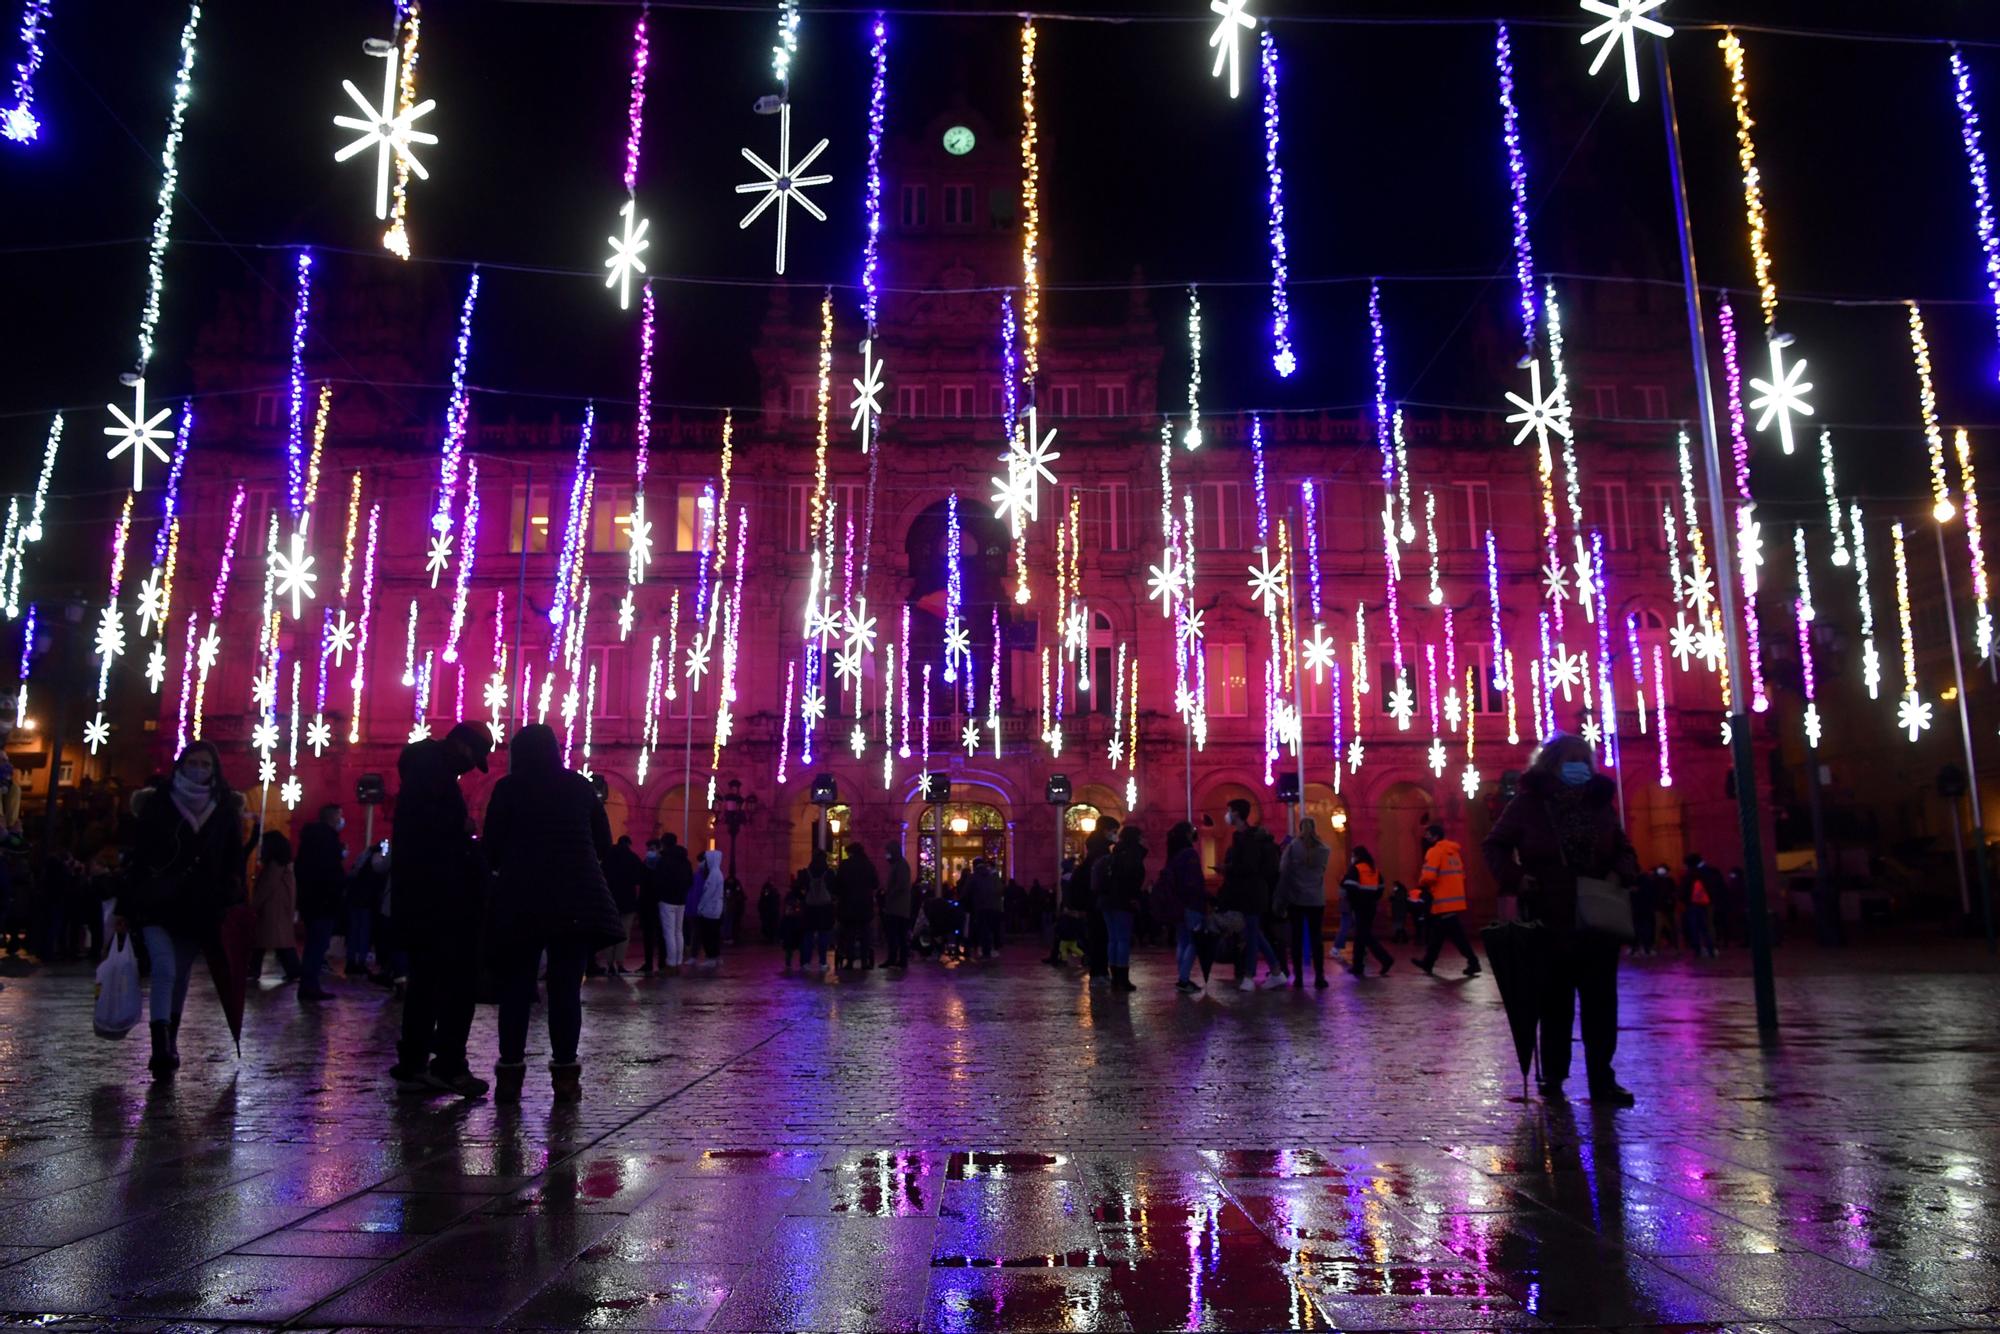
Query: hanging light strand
[(1975, 164), (170, 175), (451, 453), (1975, 541), (1753, 186), (1031, 217), (1834, 525), (1517, 183), (18, 121), (878, 57), (1282, 356), (409, 25), (1920, 352), (1871, 660)]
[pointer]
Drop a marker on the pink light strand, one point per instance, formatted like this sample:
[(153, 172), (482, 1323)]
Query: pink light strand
[(1739, 440), (635, 114), (785, 734), (367, 618)]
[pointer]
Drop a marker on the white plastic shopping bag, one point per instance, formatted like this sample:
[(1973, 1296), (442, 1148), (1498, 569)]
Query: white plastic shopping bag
[(118, 999)]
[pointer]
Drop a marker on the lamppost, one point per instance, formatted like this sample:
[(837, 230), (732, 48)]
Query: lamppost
[(737, 811)]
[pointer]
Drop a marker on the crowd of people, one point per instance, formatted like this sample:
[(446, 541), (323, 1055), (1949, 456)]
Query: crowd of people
[(541, 898)]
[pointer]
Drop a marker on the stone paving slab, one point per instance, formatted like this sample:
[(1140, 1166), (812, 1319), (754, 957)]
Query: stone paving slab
[(1000, 1147)]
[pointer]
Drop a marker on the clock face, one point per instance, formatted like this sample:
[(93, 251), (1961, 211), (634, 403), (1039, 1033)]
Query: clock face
[(958, 141)]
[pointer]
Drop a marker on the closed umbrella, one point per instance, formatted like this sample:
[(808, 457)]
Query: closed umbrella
[(1515, 951), (227, 950)]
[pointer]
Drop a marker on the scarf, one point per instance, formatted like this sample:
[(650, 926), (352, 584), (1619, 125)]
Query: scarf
[(194, 800)]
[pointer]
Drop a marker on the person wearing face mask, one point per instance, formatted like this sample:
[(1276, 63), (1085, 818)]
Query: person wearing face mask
[(321, 870), (1562, 824), (1444, 877), (187, 866)]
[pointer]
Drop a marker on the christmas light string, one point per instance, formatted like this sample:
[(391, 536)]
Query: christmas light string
[(1431, 541), (295, 429), (18, 122), (1753, 190), (1469, 780), (1513, 699), (785, 722), (639, 551), (1975, 542), (1408, 529), (362, 624), (1572, 472), (1493, 605), (410, 647), (878, 58), (954, 590), (1871, 658), (1834, 524), (1607, 707), (1517, 184), (1192, 438), (1309, 510), (452, 452), (1454, 704), (1660, 715), (1638, 666), (1802, 574), (409, 27), (574, 537), (788, 44), (10, 557), (211, 643), (626, 250), (31, 532), (1283, 358), (1380, 362), (1749, 533), (1920, 352), (1975, 165), (468, 549), (163, 218), (1031, 217), (903, 687), (1912, 714)]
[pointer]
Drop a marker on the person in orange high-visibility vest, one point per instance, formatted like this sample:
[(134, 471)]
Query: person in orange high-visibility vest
[(1444, 876)]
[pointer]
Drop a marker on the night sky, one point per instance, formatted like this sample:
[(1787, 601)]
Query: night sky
[(1391, 148)]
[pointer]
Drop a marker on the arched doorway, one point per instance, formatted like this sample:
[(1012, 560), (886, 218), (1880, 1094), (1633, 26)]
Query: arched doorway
[(1328, 810), (1079, 823), (617, 812), (1655, 823), (682, 814), (1404, 811), (955, 833)]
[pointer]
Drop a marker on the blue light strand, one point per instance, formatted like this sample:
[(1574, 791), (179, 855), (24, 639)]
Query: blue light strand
[(18, 122), (1309, 505), (877, 88), (1010, 365), (954, 587), (1257, 480), (1383, 439), (452, 452), (1282, 356), (295, 430), (1517, 183), (170, 506), (1975, 162)]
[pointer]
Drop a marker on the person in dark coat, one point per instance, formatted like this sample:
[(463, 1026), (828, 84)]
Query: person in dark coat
[(652, 940), (985, 899), (547, 839), (767, 912), (188, 859), (676, 880), (815, 884), (1081, 901), (855, 886), (1249, 879), (436, 874), (623, 871), (897, 909), (1362, 887), (1124, 891), (321, 869), (792, 926), (1187, 891), (1562, 824), (1302, 888)]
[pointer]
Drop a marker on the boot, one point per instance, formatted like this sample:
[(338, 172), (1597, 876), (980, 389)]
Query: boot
[(567, 1081), (162, 1063), (1121, 980), (174, 1041), (508, 1077)]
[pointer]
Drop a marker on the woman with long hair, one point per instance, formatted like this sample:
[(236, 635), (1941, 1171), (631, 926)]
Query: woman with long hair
[(1302, 889), (187, 870), (1187, 890), (1561, 826), (546, 838), (274, 899)]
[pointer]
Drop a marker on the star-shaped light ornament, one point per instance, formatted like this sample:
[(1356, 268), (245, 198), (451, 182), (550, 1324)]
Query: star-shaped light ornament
[(1698, 591), (1438, 760), (847, 668), (1285, 722), (970, 736), (857, 741), (1683, 640), (1592, 732), (867, 403), (1232, 23), (292, 572), (96, 732), (438, 556), (1538, 415), (1356, 753), (1586, 583), (1913, 715), (291, 792), (319, 735), (572, 704), (1402, 704), (138, 434), (340, 636), (419, 732), (625, 252), (957, 645), (813, 706), (391, 134), (1318, 652), (626, 611), (209, 650), (1165, 581), (822, 621), (1871, 668), (110, 640), (152, 601), (1555, 580), (1013, 495), (264, 737), (264, 691), (156, 666), (1813, 727), (1030, 456), (1783, 395), (1267, 581), (1621, 17), (1191, 628), (697, 662), (860, 628), (1468, 782), (494, 696), (1454, 709), (499, 735), (1565, 671), (784, 184), (1714, 649)]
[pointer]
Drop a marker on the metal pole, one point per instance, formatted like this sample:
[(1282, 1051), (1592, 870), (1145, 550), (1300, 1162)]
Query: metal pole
[(1958, 860), (1971, 766), (1742, 755), (520, 715), (1298, 700)]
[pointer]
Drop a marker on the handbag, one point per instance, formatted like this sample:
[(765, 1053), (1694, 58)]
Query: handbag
[(1602, 906)]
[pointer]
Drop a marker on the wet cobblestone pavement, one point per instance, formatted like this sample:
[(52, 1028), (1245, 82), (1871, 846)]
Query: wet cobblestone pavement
[(999, 1147)]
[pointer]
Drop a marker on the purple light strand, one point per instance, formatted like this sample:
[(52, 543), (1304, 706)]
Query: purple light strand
[(228, 554), (1309, 506), (468, 548), (1753, 640), (1975, 162), (295, 431), (785, 726), (878, 53), (1493, 601), (367, 618), (1257, 480), (572, 537), (1606, 708), (1282, 356), (1638, 665), (1805, 649), (903, 685), (1517, 182), (170, 505), (1339, 750), (1010, 365), (1660, 712), (1431, 681), (1547, 721), (18, 122), (954, 588), (1451, 653), (705, 510), (642, 427), (1383, 440), (635, 113), (452, 452), (187, 681)]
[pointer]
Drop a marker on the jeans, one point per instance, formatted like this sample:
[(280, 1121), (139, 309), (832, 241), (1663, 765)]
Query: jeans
[(896, 941), (437, 1005), (1254, 944), (653, 935), (360, 935), (1185, 953), (565, 999), (1448, 927), (319, 935), (1118, 938), (673, 927), (1365, 943), (986, 932), (1696, 930), (1308, 931), (821, 943), (173, 954)]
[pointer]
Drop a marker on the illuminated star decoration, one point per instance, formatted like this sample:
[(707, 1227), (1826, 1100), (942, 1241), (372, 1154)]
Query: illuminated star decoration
[(1781, 395), (697, 661), (1469, 782), (1813, 729), (1402, 703), (390, 133), (625, 251), (1586, 584), (110, 633), (867, 402), (1165, 581), (1014, 495), (1029, 456), (264, 737), (291, 792), (1556, 580), (813, 706), (1267, 581), (1191, 628), (96, 732), (783, 183), (1355, 754), (861, 630), (1438, 759), (138, 433), (1620, 18), (847, 667), (340, 637), (439, 556), (1684, 638), (1318, 653), (495, 695), (419, 732), (209, 650), (152, 605), (292, 573), (264, 691), (1713, 649), (970, 737), (1538, 415), (319, 735), (957, 642), (499, 735), (857, 741), (1565, 671), (1592, 732), (1454, 708), (1232, 23), (822, 622), (156, 666), (1913, 716), (1698, 590)]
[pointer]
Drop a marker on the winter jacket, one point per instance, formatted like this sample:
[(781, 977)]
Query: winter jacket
[(1548, 836), (984, 891), (623, 871), (321, 866), (1080, 894), (182, 877), (1187, 884), (856, 885), (1302, 874), (896, 897), (435, 872), (676, 876), (1250, 871), (546, 838), (1125, 880), (705, 900), (274, 899)]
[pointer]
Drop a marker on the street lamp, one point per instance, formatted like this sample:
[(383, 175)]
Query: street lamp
[(737, 811)]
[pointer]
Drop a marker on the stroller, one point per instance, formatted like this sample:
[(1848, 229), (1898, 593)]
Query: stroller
[(941, 930)]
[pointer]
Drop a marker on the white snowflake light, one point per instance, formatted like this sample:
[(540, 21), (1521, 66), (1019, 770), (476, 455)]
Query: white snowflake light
[(152, 598), (110, 639), (970, 736), (1555, 580), (813, 706), (292, 792), (1565, 671), (390, 133), (1438, 760), (340, 637), (1620, 18), (1913, 715), (847, 668), (1191, 627), (138, 434), (867, 403), (1267, 581), (857, 741), (1781, 396), (438, 556), (1318, 652), (1232, 23), (625, 251), (861, 629), (1814, 730), (1028, 456), (1538, 415), (96, 732), (292, 573), (697, 662), (1165, 581), (1468, 782), (784, 184), (156, 666), (209, 650), (1356, 753), (319, 735), (264, 737), (957, 644), (1685, 639), (1402, 703), (419, 732)]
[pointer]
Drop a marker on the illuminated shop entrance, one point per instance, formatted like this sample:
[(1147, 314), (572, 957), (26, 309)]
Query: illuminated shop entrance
[(967, 831)]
